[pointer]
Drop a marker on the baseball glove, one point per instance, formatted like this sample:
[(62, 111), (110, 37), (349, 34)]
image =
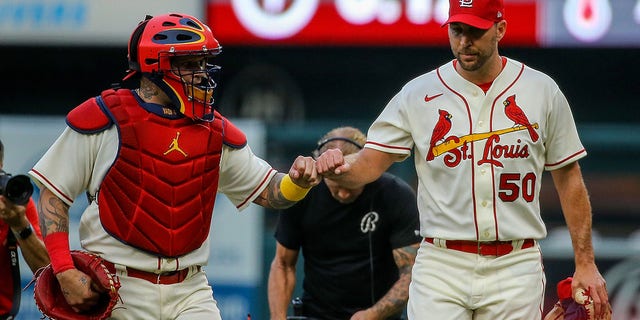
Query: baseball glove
[(51, 301), (578, 307)]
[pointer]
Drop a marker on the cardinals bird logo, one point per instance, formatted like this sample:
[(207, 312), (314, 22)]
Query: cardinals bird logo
[(516, 115), (439, 131)]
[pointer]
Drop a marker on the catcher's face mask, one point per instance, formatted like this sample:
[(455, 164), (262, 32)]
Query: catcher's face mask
[(189, 82)]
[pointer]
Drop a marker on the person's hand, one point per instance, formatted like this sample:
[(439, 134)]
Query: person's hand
[(303, 172), (590, 279), (13, 214), (331, 163), (78, 289)]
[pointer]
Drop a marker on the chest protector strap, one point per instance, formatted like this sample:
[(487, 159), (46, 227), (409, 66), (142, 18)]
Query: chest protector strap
[(158, 195)]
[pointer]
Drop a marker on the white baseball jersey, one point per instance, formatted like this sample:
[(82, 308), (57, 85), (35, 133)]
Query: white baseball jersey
[(480, 156), (77, 163)]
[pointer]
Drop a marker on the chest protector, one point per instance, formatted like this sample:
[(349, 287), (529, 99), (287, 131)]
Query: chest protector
[(159, 194)]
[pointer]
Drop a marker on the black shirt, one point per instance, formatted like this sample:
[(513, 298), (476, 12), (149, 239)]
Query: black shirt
[(347, 248)]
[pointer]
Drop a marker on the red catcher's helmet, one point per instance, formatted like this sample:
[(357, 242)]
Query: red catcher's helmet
[(157, 41)]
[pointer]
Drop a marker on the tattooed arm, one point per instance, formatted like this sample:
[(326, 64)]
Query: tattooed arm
[(302, 174), (53, 213), (396, 298), (54, 223)]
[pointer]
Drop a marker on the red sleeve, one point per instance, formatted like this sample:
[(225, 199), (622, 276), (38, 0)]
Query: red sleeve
[(32, 216)]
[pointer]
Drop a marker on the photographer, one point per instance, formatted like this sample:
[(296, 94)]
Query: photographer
[(18, 228)]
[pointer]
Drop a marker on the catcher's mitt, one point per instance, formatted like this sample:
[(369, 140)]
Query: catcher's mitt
[(51, 301)]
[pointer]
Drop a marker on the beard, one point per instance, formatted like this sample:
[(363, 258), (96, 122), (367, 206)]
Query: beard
[(480, 60), (479, 57)]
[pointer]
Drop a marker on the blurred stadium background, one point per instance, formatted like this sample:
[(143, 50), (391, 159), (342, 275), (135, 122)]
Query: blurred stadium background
[(293, 69)]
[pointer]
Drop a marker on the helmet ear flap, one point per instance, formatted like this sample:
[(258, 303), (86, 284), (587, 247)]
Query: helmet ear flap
[(133, 44)]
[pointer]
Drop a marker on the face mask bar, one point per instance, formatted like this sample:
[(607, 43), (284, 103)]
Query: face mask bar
[(199, 89), (194, 80)]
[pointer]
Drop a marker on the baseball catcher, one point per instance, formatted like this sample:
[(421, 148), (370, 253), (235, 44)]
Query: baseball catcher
[(50, 298), (151, 155), (578, 307)]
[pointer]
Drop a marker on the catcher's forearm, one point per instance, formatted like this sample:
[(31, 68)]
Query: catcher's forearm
[(272, 196), (57, 245), (54, 223), (53, 213)]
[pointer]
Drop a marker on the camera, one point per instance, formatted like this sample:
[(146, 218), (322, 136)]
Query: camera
[(18, 189)]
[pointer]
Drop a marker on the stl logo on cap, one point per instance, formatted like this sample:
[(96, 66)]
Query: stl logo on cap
[(481, 14), (466, 3)]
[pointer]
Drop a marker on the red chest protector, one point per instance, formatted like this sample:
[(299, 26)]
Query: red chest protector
[(159, 194)]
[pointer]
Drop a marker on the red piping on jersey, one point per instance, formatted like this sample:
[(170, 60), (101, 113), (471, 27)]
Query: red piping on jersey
[(484, 86), (493, 180), (566, 159), (473, 193), (388, 146), (541, 305), (50, 184), (256, 189)]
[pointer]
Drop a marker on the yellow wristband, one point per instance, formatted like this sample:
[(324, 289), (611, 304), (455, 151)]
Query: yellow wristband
[(292, 191)]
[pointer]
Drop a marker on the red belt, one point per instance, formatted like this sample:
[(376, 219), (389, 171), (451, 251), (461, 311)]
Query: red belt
[(171, 277), (492, 248)]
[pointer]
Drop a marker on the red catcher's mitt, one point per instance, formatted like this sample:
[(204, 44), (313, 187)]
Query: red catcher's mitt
[(51, 301)]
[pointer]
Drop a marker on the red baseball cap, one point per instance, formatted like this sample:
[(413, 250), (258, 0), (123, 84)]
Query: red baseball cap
[(481, 14)]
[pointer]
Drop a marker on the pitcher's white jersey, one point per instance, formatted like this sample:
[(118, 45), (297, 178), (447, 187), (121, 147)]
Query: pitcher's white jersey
[(480, 157)]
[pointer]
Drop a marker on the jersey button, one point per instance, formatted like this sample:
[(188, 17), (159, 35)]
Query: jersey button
[(484, 203)]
